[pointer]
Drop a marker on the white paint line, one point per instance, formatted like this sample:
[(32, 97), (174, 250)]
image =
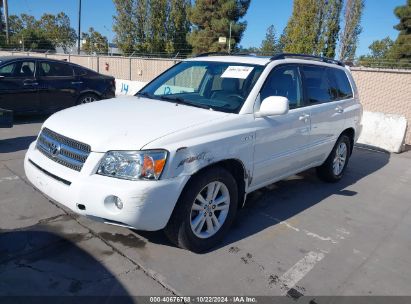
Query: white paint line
[(319, 237), (281, 222), (8, 178), (296, 273)]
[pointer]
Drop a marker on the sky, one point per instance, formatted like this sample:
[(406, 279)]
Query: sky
[(378, 18)]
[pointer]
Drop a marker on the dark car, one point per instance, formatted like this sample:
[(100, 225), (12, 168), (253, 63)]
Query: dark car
[(41, 85)]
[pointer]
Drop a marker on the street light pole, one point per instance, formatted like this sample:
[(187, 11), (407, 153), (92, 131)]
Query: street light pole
[(6, 18), (79, 27)]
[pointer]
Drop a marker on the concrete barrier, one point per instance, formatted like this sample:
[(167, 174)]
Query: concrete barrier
[(128, 87), (384, 131)]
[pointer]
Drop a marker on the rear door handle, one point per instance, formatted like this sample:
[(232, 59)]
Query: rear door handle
[(339, 109), (304, 117), (30, 83)]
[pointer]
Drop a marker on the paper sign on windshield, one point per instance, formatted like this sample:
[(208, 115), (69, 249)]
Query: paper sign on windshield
[(236, 71)]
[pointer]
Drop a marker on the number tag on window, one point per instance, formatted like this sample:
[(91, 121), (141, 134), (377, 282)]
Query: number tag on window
[(237, 71)]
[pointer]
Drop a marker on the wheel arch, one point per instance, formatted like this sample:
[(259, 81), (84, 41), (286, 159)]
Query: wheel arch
[(350, 132), (237, 169)]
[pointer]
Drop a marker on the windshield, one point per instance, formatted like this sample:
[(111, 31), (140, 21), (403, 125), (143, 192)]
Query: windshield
[(221, 86)]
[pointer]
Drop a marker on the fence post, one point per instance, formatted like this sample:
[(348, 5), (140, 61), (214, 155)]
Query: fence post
[(129, 68), (98, 64), (69, 59)]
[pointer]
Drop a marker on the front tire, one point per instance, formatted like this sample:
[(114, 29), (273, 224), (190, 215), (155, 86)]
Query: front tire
[(334, 167), (205, 211)]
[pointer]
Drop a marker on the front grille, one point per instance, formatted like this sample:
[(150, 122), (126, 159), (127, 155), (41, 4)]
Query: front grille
[(63, 150)]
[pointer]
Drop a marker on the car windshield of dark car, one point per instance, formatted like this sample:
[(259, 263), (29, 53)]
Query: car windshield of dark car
[(221, 86)]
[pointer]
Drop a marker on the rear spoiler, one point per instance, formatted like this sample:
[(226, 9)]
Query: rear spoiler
[(6, 118)]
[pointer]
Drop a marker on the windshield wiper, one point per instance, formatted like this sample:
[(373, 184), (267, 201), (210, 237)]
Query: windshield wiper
[(182, 101)]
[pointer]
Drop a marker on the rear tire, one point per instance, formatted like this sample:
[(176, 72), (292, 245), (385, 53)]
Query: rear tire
[(87, 98), (200, 220), (334, 167)]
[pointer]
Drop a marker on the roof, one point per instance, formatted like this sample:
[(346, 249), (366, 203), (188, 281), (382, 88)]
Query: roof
[(9, 58), (247, 59), (263, 60)]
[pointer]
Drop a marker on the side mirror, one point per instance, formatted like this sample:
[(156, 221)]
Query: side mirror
[(273, 105)]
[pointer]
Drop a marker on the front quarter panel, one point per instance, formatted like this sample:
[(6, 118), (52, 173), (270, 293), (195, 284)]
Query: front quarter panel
[(192, 150)]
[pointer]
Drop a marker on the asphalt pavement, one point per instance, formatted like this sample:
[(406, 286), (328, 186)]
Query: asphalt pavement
[(297, 237)]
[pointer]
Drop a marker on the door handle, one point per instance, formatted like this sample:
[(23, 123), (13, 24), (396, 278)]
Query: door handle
[(304, 117), (339, 109), (28, 83), (76, 82)]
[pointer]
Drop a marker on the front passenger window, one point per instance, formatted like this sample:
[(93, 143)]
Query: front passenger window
[(284, 81)]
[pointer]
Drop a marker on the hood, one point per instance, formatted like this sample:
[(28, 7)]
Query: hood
[(126, 123)]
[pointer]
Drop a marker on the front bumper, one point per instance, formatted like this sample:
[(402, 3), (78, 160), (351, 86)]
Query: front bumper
[(147, 205)]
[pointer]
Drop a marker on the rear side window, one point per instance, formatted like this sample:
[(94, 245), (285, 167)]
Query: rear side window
[(79, 71), (319, 85), (55, 69), (343, 84)]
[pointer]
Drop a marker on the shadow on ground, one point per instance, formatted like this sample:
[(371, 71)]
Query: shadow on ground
[(29, 119), (284, 199), (16, 144), (42, 263)]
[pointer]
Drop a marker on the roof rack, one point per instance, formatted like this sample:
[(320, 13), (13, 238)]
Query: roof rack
[(305, 56), (212, 54)]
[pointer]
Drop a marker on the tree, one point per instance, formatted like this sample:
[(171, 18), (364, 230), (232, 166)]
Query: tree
[(269, 45), (155, 26), (158, 25), (401, 49), (211, 19), (141, 11), (25, 33), (178, 27), (125, 26), (313, 27), (381, 48), (329, 33), (380, 54), (301, 32), (58, 30), (94, 42), (352, 29)]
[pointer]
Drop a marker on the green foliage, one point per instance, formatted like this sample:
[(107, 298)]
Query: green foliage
[(124, 25), (313, 27), (178, 27), (155, 26), (269, 45), (380, 54), (157, 22), (352, 29), (58, 30), (47, 33), (94, 42), (211, 19), (401, 49)]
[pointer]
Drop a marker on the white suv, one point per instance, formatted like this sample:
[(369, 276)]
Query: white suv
[(183, 154)]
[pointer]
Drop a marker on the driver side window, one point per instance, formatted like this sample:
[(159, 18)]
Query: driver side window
[(284, 81)]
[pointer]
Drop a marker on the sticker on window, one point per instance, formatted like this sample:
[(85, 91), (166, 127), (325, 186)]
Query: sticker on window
[(237, 71)]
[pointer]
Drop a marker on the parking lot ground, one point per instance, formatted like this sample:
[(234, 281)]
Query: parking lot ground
[(297, 237)]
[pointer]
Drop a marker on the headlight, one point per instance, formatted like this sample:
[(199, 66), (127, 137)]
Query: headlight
[(133, 165)]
